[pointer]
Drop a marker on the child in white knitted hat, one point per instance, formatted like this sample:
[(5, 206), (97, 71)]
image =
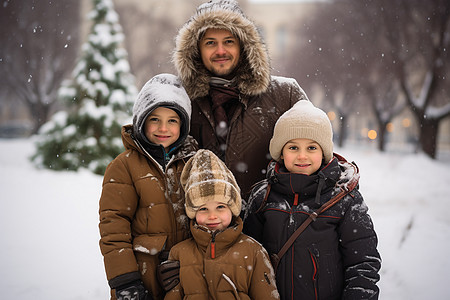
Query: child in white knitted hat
[(219, 261), (312, 192)]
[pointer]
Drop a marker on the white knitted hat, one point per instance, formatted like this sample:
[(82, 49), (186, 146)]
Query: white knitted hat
[(303, 120), (206, 178)]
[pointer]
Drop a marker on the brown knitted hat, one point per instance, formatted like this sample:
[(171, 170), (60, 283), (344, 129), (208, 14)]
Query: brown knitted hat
[(206, 178), (303, 120)]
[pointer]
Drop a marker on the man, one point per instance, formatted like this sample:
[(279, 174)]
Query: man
[(225, 69)]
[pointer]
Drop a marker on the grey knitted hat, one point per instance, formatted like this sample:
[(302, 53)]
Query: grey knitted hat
[(303, 120), (162, 90), (206, 178)]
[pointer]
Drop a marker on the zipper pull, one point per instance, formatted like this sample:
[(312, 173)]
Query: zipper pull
[(296, 199), (213, 245)]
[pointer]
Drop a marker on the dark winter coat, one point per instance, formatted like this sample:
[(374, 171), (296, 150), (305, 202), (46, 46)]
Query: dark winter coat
[(263, 98), (336, 256), (141, 212), (237, 267)]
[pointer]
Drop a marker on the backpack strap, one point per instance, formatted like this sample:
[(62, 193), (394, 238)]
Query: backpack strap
[(276, 257)]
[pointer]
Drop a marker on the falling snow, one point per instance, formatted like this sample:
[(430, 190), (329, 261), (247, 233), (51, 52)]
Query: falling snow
[(49, 225)]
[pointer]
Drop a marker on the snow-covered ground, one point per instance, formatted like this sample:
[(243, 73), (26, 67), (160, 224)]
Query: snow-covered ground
[(49, 235)]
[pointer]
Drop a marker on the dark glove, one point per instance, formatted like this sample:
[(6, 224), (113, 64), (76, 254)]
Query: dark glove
[(168, 273), (132, 291)]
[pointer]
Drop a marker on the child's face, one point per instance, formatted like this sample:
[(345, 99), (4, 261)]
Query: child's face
[(214, 214), (162, 127), (302, 156)]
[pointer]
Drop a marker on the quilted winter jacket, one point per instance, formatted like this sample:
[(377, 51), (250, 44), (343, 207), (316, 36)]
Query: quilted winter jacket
[(336, 256), (227, 265), (137, 220), (250, 129), (263, 98)]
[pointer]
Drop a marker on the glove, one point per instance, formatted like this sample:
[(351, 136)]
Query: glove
[(132, 291), (168, 273)]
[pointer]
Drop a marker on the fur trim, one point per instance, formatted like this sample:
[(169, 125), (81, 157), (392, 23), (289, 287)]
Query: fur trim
[(253, 76)]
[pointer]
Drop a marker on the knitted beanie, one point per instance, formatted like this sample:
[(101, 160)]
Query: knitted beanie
[(303, 120), (162, 90), (206, 178)]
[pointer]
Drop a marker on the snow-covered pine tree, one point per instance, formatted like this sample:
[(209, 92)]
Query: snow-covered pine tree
[(99, 101)]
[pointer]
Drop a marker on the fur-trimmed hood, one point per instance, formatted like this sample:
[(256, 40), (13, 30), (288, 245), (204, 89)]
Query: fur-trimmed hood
[(253, 75)]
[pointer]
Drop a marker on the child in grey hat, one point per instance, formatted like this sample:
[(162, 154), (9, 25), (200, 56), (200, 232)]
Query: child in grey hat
[(142, 204), (219, 261), (309, 187)]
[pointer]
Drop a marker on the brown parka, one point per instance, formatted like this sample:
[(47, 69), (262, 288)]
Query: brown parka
[(222, 265), (137, 219), (262, 97)]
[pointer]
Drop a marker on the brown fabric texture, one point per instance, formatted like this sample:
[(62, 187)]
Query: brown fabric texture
[(223, 100), (206, 178), (141, 211), (240, 270)]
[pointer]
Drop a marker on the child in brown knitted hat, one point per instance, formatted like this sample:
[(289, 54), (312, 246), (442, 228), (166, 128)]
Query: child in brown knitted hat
[(309, 187), (219, 261)]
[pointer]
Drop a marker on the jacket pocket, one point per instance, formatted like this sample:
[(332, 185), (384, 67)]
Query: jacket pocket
[(226, 288), (151, 245)]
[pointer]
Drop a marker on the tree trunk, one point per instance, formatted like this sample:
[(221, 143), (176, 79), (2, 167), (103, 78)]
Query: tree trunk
[(342, 131), (382, 137), (428, 136), (40, 114)]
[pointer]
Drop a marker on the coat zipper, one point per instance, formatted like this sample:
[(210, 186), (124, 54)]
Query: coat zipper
[(164, 177), (213, 245), (314, 277)]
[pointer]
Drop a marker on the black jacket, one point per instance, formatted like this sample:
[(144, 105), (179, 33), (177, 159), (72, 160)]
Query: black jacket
[(336, 256)]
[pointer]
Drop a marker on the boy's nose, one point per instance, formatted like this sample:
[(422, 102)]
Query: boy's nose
[(162, 127)]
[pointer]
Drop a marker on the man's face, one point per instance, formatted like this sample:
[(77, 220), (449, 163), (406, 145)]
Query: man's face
[(220, 52)]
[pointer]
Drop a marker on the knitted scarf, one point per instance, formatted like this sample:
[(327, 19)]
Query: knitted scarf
[(224, 97)]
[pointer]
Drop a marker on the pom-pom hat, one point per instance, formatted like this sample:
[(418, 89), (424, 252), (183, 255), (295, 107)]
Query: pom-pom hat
[(206, 178), (303, 120)]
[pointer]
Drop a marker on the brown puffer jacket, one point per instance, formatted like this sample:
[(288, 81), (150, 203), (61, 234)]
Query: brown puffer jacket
[(236, 267), (263, 98), (137, 221)]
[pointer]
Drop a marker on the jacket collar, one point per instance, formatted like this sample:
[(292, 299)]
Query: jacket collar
[(222, 239), (337, 174), (188, 148)]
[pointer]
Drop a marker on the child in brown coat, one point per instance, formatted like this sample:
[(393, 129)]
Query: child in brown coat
[(219, 261), (142, 203)]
